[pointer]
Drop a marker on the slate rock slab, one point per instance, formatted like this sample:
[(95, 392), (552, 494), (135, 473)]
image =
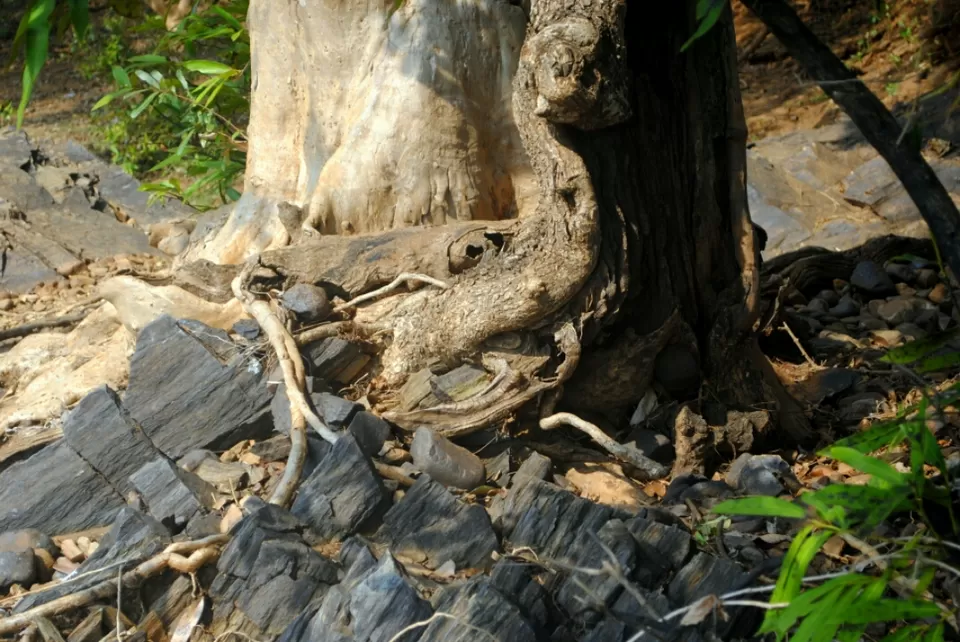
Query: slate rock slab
[(132, 538), (516, 583), (670, 543), (478, 605), (56, 491), (122, 193), (101, 431), (267, 572), (446, 462), (384, 603), (341, 494), (555, 523), (173, 495), (185, 397), (431, 525), (704, 575), (370, 431)]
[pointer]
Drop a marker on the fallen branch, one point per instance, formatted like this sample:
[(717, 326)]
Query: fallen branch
[(649, 468), (288, 354), (30, 328), (393, 472), (324, 331), (390, 287), (201, 552)]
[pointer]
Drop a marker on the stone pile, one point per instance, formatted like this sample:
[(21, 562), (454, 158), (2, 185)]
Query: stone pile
[(357, 556)]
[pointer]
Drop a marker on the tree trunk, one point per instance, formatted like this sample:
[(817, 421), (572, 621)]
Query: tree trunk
[(583, 196)]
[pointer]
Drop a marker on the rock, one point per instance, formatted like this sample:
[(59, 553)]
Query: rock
[(384, 603), (829, 344), (267, 572), (247, 328), (26, 539), (370, 431), (825, 384), (845, 307), (654, 445), (927, 278), (871, 278), (517, 583), (308, 302), (704, 575), (335, 360), (585, 596), (223, 476), (870, 323), (676, 369), (56, 491), (280, 405), (901, 273), (122, 192), (336, 411), (939, 293), (478, 606), (816, 308), (672, 545), (173, 496), (432, 526), (762, 475), (911, 330), (536, 466), (830, 296), (887, 338), (497, 469), (186, 396), (101, 431), (855, 407), (446, 462), (572, 524), (273, 449), (341, 494), (16, 567), (132, 538), (897, 311)]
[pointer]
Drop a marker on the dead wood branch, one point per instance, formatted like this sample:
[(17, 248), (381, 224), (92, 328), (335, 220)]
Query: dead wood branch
[(288, 354), (324, 331), (30, 328), (402, 278), (393, 472), (648, 468), (174, 557)]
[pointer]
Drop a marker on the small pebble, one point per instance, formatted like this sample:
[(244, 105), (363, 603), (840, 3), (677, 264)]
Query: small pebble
[(870, 277), (939, 293), (927, 278), (901, 273)]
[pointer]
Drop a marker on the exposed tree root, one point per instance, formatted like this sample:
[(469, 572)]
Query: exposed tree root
[(174, 557), (291, 363), (401, 279), (647, 468)]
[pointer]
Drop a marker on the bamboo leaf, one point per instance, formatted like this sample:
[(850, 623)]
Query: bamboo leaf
[(918, 349), (707, 20), (80, 17), (208, 67), (762, 506)]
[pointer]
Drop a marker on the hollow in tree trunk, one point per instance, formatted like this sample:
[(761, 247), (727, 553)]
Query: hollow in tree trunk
[(576, 181)]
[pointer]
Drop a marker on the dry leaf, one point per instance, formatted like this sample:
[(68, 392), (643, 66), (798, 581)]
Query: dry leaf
[(703, 608), (188, 621)]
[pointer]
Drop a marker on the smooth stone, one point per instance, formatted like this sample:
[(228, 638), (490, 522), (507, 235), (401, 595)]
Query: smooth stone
[(446, 462), (830, 296), (939, 293), (17, 567), (927, 278), (897, 311), (26, 539), (761, 475), (309, 302), (870, 277), (902, 273), (845, 307)]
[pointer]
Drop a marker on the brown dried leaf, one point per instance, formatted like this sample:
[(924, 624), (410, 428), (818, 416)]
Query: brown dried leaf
[(701, 609)]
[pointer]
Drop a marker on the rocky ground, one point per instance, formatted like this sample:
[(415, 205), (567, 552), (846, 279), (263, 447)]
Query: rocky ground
[(125, 437)]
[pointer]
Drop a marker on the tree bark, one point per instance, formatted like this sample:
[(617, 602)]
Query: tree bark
[(584, 200), (874, 121)]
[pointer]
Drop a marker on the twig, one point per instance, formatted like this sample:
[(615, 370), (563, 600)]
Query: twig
[(200, 551), (796, 341), (119, 603), (288, 354), (393, 472), (751, 48), (436, 616), (393, 285), (649, 468), (324, 331), (30, 328)]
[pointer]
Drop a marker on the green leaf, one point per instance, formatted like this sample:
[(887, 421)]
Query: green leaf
[(120, 77), (849, 506), (142, 107), (233, 194), (208, 67), (80, 17), (707, 21), (233, 22), (939, 362), (106, 100), (802, 551), (866, 464), (37, 40), (875, 438), (147, 78), (763, 506), (909, 633), (890, 610), (918, 349), (147, 59)]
